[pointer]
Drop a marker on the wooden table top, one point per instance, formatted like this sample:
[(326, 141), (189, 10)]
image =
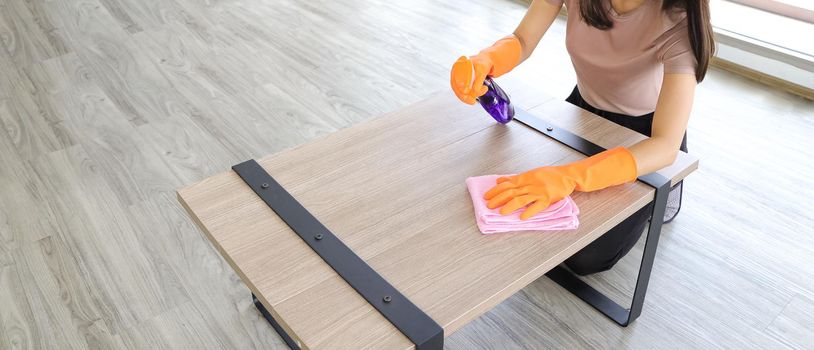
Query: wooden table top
[(393, 190)]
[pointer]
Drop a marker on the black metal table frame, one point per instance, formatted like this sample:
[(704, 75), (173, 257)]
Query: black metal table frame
[(619, 314), (409, 319)]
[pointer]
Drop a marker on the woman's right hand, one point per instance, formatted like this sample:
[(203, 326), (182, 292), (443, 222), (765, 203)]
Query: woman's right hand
[(467, 76), (468, 73)]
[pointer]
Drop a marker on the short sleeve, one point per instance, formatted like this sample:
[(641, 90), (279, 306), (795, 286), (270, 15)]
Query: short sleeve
[(677, 55)]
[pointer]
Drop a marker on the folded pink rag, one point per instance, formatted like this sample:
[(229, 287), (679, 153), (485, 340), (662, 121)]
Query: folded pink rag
[(561, 215)]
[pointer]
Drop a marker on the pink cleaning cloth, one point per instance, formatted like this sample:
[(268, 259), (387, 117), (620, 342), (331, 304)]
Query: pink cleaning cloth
[(561, 215)]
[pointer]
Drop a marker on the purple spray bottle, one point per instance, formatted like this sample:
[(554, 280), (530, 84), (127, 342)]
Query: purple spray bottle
[(496, 102)]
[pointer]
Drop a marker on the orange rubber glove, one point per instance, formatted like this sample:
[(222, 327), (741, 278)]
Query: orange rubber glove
[(467, 74), (540, 187)]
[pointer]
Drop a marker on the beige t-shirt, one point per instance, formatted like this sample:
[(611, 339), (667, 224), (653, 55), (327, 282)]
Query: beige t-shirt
[(620, 69)]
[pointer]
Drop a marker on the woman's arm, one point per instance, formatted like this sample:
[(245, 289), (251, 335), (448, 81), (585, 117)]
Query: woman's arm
[(535, 23), (669, 124), (537, 188), (468, 73)]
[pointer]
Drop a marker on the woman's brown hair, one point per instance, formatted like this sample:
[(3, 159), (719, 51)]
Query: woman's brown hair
[(596, 14)]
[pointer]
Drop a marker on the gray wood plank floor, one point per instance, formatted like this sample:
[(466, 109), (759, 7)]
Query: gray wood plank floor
[(108, 106)]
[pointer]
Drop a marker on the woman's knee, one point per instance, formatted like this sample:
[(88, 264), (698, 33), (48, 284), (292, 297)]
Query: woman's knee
[(586, 264), (603, 253)]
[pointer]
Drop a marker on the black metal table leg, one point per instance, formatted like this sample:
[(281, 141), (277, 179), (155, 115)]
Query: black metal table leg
[(277, 327), (619, 314), (599, 301)]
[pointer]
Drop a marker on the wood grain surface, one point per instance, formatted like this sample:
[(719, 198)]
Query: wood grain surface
[(393, 190)]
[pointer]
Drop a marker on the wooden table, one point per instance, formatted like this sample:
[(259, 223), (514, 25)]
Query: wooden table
[(392, 189)]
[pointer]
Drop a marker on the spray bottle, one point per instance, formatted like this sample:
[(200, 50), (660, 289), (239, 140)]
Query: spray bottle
[(496, 102)]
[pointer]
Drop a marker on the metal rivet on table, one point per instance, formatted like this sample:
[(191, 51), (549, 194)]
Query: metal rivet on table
[(319, 236), (387, 298), (549, 128), (264, 186)]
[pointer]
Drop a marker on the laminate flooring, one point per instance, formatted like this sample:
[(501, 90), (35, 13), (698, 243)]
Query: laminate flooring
[(108, 106)]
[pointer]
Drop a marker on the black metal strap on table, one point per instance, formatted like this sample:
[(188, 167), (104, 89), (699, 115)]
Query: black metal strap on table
[(417, 326), (621, 315)]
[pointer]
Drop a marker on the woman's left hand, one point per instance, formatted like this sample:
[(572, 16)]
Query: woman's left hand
[(540, 187), (536, 188)]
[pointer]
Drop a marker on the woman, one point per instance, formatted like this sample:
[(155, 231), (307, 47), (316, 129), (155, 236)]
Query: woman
[(637, 64)]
